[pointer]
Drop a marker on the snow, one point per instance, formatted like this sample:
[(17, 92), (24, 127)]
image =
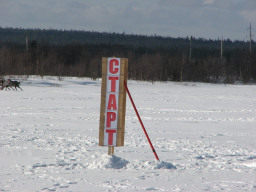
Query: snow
[(204, 135), (108, 162)]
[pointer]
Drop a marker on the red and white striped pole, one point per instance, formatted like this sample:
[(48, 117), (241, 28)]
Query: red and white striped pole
[(137, 113)]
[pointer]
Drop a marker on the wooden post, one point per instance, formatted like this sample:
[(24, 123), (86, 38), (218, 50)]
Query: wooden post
[(111, 150), (122, 102), (103, 100)]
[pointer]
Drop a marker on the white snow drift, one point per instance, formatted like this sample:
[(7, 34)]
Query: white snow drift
[(204, 135)]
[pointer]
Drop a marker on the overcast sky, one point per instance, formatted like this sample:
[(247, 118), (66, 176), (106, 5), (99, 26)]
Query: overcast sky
[(176, 18)]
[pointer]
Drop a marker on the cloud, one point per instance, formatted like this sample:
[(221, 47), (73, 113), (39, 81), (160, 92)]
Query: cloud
[(208, 2), (200, 18), (249, 15)]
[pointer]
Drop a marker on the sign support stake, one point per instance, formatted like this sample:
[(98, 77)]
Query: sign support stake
[(137, 113), (111, 150)]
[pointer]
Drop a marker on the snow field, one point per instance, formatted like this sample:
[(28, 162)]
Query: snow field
[(204, 135)]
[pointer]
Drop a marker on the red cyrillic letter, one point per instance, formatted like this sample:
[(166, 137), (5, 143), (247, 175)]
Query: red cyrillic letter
[(112, 102), (111, 66), (111, 116), (110, 136), (113, 83)]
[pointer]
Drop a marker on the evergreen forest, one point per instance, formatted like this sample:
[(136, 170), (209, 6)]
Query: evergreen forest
[(151, 58)]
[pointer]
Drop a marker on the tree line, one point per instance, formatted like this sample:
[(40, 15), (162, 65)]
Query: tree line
[(151, 58)]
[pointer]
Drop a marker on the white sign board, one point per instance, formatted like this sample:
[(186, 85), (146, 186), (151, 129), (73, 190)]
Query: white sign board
[(113, 77), (113, 101)]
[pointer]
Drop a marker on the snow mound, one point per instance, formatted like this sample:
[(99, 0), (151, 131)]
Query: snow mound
[(250, 164), (108, 162), (164, 165), (113, 162), (149, 165)]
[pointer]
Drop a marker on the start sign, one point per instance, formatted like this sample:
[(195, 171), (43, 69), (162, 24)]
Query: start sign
[(113, 101)]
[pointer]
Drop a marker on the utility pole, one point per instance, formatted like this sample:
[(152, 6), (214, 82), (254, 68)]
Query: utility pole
[(27, 42), (221, 49), (250, 38), (27, 55), (190, 50), (181, 69)]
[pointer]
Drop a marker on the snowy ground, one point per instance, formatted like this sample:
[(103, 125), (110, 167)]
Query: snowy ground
[(204, 134)]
